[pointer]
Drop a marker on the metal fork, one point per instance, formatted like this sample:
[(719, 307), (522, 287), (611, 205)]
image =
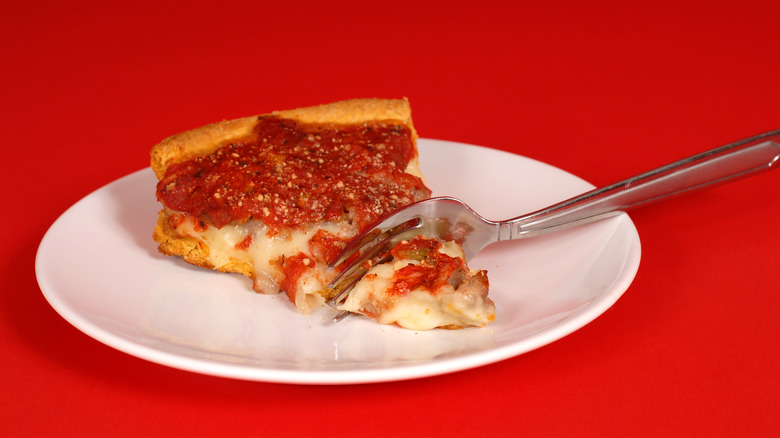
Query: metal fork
[(448, 218)]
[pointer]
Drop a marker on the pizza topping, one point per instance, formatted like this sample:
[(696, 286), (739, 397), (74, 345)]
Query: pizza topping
[(433, 271), (325, 246), (289, 174), (294, 268), (245, 243)]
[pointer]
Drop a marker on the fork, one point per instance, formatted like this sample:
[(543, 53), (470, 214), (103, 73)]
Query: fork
[(448, 218)]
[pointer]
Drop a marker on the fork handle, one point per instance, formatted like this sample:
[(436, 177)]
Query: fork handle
[(717, 166)]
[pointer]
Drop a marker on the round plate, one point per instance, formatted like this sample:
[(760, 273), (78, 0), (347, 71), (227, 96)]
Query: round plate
[(99, 268)]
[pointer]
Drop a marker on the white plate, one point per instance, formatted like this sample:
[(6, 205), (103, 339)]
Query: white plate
[(99, 268)]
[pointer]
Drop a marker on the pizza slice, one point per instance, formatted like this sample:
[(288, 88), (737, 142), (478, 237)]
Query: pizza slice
[(276, 196)]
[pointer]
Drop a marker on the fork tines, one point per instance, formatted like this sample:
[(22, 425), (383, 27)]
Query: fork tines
[(369, 245), (372, 247), (348, 282)]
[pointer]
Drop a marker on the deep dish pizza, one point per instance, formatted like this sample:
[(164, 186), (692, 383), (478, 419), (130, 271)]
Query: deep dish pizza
[(277, 196)]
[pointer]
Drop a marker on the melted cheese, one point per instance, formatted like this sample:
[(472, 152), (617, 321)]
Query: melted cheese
[(264, 252), (465, 304)]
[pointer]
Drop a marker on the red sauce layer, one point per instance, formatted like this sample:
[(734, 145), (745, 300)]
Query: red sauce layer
[(289, 174)]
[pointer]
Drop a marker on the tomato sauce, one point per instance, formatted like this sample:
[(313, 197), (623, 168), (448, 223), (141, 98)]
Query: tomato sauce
[(325, 246), (433, 271), (289, 174), (294, 267)]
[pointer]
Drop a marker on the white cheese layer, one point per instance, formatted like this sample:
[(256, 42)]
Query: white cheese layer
[(264, 253)]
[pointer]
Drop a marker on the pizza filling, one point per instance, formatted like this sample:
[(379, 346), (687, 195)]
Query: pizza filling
[(294, 262)]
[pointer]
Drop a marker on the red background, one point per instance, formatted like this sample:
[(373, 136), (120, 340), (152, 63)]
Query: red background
[(601, 89)]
